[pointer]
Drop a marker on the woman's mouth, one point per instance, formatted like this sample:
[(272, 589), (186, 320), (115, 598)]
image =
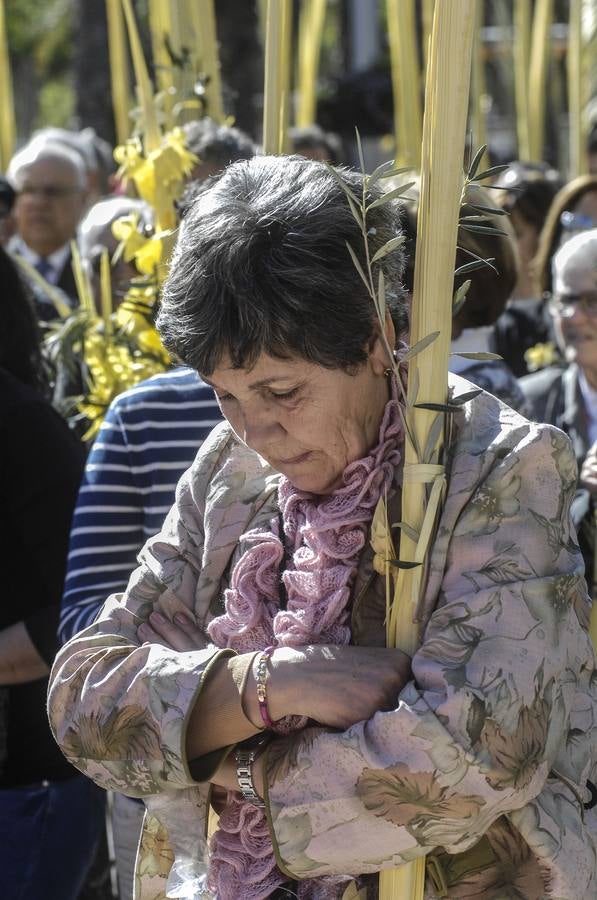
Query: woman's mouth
[(294, 460)]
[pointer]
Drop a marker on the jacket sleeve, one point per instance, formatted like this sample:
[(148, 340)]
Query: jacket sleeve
[(474, 734), (117, 708)]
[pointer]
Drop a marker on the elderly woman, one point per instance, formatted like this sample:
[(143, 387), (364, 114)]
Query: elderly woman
[(245, 665)]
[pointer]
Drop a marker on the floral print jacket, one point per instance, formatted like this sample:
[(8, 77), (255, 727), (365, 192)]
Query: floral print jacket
[(483, 765)]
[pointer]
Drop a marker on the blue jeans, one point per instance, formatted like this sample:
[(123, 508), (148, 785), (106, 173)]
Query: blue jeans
[(48, 836)]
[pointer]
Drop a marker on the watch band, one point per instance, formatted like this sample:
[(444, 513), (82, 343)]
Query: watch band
[(244, 758)]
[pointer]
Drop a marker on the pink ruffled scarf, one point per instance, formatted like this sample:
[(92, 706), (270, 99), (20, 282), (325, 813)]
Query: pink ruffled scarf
[(324, 540)]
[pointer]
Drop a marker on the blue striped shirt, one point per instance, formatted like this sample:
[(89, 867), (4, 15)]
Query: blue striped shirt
[(150, 436)]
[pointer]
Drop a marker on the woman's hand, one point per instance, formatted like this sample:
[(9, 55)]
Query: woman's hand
[(588, 473), (335, 686), (180, 634)]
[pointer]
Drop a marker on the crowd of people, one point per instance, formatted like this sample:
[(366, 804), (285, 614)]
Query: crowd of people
[(218, 523)]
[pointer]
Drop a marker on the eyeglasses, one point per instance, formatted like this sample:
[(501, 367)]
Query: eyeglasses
[(576, 222), (49, 192), (566, 306)]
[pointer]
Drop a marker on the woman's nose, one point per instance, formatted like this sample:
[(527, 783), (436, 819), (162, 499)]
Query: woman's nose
[(260, 430)]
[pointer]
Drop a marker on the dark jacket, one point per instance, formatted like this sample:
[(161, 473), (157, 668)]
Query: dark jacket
[(41, 464), (523, 324), (554, 396)]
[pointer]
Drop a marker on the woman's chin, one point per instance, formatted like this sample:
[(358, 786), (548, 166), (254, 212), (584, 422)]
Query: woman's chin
[(314, 482)]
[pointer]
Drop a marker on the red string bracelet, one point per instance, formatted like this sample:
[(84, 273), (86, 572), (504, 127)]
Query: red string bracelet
[(262, 686)]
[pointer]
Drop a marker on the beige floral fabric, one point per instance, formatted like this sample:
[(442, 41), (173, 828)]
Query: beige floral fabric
[(482, 766)]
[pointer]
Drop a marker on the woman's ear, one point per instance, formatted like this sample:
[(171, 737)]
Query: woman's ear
[(378, 346)]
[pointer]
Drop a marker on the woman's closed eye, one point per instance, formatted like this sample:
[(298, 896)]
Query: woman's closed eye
[(284, 395), (274, 395)]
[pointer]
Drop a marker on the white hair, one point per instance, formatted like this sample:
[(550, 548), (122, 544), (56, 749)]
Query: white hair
[(103, 214), (41, 147), (575, 261)]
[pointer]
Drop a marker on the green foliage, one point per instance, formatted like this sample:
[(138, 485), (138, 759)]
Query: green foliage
[(56, 104), (41, 32)]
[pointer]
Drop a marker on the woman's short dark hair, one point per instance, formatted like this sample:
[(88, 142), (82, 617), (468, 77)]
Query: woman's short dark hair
[(262, 265)]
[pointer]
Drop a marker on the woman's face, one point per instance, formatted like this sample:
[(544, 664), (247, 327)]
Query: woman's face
[(308, 422), (575, 281)]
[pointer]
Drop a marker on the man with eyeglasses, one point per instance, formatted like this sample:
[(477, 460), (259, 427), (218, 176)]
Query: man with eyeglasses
[(566, 396), (50, 183)]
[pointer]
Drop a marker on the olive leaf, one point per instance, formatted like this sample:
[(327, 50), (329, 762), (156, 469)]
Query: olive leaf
[(383, 172), (414, 377), (388, 247), (482, 229), (475, 264), (393, 173), (420, 345), (481, 354), (460, 297), (437, 407), (360, 149), (490, 210), (401, 564), (489, 173), (347, 190), (461, 399), (409, 531), (358, 266), (476, 162), (390, 195), (381, 297), (433, 437)]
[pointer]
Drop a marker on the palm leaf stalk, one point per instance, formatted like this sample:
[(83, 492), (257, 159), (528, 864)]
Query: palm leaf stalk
[(119, 70), (539, 64), (151, 128), (106, 293), (203, 17), (165, 74), (442, 183), (7, 112), (426, 22), (54, 294), (576, 82), (406, 81), (478, 86), (277, 69), (311, 23), (521, 52)]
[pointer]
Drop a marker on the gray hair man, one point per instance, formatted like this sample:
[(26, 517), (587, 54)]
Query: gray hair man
[(50, 181)]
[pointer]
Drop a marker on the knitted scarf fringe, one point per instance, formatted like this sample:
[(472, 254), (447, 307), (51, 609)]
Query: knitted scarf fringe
[(325, 537)]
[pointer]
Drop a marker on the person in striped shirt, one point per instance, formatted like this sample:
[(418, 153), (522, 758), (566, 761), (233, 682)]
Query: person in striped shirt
[(150, 436)]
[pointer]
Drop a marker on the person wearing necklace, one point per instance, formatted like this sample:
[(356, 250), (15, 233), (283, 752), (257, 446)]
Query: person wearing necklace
[(244, 669)]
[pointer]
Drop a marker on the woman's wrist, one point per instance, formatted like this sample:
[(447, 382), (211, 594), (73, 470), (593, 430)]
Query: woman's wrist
[(283, 688)]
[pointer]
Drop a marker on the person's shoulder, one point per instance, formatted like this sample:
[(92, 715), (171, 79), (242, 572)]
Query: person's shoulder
[(172, 387), (487, 435), (224, 463), (483, 423), (538, 383)]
